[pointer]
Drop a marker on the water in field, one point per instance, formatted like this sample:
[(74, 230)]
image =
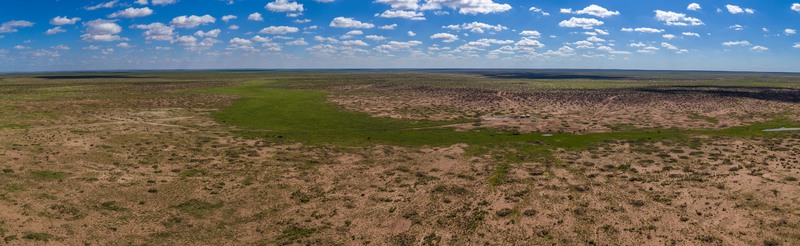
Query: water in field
[(782, 129)]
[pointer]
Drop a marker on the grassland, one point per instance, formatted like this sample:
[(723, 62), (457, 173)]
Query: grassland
[(400, 158)]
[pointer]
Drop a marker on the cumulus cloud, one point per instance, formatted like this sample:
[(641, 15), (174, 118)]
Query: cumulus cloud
[(400, 4), (759, 48), (157, 31), (476, 27), (668, 46), (788, 31), (396, 45), (228, 18), (54, 30), (472, 7), (677, 19), (284, 6), (132, 13), (528, 44), (192, 21), (12, 26), (532, 34), (596, 10), (643, 29), (585, 23), (279, 30), (375, 37), (344, 22), (63, 20), (210, 34), (101, 31), (691, 34), (163, 2), (796, 7), (445, 37), (538, 10), (255, 17), (354, 43), (405, 14), (110, 4), (736, 43), (694, 7), (668, 36), (411, 34), (388, 27), (297, 42), (733, 9)]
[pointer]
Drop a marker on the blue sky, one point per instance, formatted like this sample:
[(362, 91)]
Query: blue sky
[(70, 35)]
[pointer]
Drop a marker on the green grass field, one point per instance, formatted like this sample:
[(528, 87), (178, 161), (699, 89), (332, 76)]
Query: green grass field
[(303, 115)]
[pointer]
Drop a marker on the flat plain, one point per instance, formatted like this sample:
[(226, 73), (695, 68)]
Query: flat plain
[(400, 157)]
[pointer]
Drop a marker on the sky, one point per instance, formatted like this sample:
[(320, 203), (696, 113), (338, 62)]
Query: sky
[(90, 35)]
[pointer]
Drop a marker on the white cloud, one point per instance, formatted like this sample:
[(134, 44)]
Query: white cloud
[(396, 13), (355, 43), (301, 21), (233, 27), (736, 43), (141, 2), (132, 13), (375, 37), (677, 19), (124, 45), (11, 26), (163, 2), (538, 10), (54, 30), (101, 31), (354, 33), (445, 37), (61, 47), (476, 27), (210, 34), (284, 6), (299, 41), (396, 45), (585, 23), (255, 17), (668, 36), (737, 27), (789, 31), (388, 27), (192, 21), (796, 46), (411, 34), (597, 10), (796, 7), (759, 48), (60, 21), (637, 45), (532, 34), (668, 46), (472, 7), (400, 4), (228, 18), (733, 9), (528, 44), (344, 22), (694, 7), (691, 34), (157, 31), (279, 30), (102, 5), (643, 29)]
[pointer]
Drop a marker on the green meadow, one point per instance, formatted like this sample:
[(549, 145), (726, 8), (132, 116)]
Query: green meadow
[(266, 110)]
